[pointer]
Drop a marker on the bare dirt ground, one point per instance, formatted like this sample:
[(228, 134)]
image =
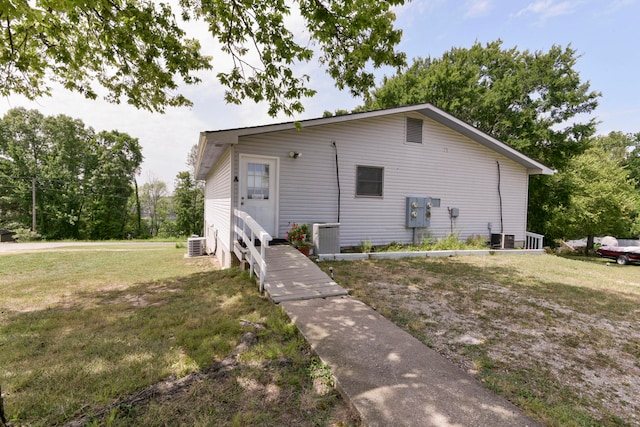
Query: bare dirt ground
[(588, 357)]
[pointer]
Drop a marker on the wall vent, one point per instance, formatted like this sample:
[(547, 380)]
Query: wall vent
[(414, 130)]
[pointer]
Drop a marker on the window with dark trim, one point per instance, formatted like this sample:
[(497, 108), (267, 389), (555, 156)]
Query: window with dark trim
[(414, 130), (369, 181)]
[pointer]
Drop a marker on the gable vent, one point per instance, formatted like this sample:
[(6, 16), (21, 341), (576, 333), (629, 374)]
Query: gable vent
[(414, 130)]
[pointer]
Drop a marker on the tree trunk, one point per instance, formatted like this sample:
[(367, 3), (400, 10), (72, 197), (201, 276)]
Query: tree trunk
[(589, 244), (138, 210)]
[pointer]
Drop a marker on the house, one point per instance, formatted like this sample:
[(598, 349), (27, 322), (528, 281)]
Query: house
[(359, 170)]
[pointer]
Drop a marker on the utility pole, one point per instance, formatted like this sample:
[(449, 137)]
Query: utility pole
[(33, 205)]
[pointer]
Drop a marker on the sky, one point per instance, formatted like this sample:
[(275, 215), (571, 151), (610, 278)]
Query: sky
[(605, 34)]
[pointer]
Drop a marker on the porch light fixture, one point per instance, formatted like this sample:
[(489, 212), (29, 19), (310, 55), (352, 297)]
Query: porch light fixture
[(294, 154)]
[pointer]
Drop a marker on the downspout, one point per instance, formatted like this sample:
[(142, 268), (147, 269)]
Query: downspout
[(333, 144), (500, 198)]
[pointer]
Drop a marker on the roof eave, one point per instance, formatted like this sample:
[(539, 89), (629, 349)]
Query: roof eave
[(210, 148), (214, 143)]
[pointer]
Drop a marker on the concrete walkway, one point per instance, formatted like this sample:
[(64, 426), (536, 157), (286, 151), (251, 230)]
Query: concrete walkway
[(291, 277), (391, 378)]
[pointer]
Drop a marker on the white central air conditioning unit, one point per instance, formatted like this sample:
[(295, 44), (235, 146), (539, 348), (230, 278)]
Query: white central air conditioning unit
[(195, 246), (502, 241), (326, 238)]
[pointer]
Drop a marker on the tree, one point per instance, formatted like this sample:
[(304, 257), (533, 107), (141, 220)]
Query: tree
[(22, 146), (60, 178), (138, 52), (188, 199), (47, 152), (339, 112), (602, 199), (115, 159), (625, 148), (529, 100), (80, 177), (151, 194)]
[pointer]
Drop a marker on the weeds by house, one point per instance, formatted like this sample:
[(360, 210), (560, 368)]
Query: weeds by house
[(558, 337), (450, 242), (366, 246), (83, 330)]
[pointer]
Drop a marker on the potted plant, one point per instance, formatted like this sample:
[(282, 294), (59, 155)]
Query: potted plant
[(298, 236)]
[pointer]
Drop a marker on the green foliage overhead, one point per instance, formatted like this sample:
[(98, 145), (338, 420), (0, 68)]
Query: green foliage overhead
[(134, 49), (138, 51), (528, 100)]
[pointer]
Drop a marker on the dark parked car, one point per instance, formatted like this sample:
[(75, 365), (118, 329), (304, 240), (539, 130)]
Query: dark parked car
[(622, 254)]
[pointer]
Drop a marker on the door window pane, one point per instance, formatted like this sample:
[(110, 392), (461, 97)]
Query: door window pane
[(258, 181)]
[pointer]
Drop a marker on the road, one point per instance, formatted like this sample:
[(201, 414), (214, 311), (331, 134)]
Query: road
[(8, 247)]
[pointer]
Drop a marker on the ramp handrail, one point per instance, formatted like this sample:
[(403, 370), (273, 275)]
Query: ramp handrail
[(247, 230), (533, 240)]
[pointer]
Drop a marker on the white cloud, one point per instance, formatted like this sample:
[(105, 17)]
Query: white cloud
[(617, 5), (477, 8), (546, 9), (413, 9)]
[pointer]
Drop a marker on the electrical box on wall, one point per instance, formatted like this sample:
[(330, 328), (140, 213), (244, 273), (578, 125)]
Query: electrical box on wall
[(418, 212)]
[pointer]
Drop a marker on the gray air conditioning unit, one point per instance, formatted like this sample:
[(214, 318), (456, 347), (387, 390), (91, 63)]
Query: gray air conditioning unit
[(195, 246), (502, 241), (326, 238)]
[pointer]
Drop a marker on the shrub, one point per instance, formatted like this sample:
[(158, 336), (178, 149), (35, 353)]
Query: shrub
[(476, 242), (442, 244), (26, 235), (366, 246)]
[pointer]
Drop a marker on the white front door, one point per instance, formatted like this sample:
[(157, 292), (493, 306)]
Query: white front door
[(258, 190)]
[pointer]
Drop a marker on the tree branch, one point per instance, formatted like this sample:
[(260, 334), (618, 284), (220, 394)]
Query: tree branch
[(9, 34)]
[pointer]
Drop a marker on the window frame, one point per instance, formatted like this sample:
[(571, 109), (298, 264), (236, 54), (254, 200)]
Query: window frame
[(381, 182)]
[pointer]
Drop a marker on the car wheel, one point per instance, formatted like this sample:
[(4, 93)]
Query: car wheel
[(622, 259)]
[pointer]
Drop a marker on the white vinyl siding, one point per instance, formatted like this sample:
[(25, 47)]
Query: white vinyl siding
[(218, 209), (447, 165)]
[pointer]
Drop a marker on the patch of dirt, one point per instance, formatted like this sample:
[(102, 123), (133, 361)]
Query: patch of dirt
[(139, 300), (213, 383), (169, 388), (597, 357)]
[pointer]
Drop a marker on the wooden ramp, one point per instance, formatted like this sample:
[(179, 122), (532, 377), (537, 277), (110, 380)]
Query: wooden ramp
[(292, 276)]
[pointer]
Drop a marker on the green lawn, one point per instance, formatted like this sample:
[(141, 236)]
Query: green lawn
[(83, 328)]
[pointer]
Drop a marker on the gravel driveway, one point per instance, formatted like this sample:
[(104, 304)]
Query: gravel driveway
[(6, 247)]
